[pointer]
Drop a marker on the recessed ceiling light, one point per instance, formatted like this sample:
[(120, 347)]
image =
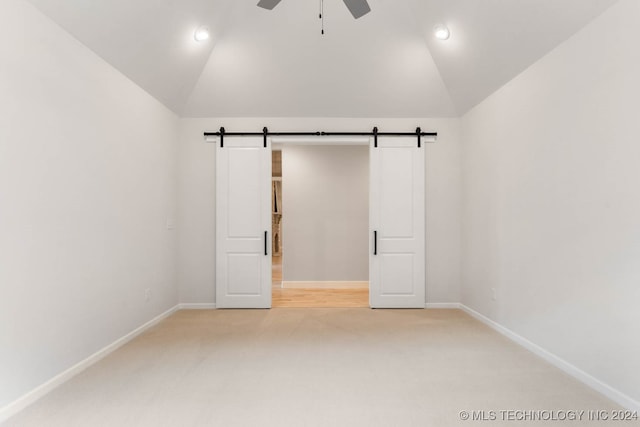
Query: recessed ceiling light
[(201, 34), (442, 32)]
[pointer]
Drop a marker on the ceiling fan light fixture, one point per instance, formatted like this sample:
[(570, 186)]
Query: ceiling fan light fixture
[(201, 34), (441, 32)]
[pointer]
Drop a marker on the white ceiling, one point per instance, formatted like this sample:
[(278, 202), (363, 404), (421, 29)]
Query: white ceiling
[(275, 63)]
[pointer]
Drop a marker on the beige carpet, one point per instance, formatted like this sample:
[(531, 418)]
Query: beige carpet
[(312, 367)]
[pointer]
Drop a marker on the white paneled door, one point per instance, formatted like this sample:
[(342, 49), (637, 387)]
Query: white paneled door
[(243, 223), (397, 221)]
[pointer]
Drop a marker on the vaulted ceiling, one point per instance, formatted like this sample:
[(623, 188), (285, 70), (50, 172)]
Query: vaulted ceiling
[(262, 63)]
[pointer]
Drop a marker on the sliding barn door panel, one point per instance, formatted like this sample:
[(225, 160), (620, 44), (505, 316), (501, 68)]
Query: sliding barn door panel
[(243, 223), (397, 263)]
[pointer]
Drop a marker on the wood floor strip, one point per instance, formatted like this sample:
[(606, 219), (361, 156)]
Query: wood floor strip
[(312, 297)]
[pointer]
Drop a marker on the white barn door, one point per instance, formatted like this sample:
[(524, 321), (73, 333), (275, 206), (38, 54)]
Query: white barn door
[(243, 223), (397, 221)]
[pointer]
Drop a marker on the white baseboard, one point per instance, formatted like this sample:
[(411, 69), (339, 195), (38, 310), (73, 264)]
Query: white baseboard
[(197, 306), (31, 397), (447, 305), (290, 284), (605, 389)]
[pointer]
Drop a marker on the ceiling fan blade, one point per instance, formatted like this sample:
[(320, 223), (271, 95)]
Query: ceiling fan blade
[(268, 4), (358, 8)]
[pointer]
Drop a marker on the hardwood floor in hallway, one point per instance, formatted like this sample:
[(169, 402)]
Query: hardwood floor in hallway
[(309, 298)]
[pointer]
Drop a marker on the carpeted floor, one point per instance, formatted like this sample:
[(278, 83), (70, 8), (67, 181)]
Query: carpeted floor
[(312, 367)]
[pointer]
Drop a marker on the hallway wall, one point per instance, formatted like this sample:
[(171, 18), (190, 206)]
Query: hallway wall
[(325, 202)]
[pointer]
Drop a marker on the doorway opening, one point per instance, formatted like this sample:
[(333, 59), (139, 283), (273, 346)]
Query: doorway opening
[(320, 225)]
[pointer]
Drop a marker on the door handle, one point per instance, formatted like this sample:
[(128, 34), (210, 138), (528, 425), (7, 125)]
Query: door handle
[(265, 244), (375, 242)]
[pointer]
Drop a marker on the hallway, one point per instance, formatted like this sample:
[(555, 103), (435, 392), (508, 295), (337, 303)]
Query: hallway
[(314, 298)]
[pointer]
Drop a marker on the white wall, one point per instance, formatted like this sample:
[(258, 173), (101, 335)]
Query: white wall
[(196, 184), (552, 202), (86, 186), (325, 222)]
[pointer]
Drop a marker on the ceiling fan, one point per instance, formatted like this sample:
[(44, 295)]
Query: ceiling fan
[(358, 8)]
